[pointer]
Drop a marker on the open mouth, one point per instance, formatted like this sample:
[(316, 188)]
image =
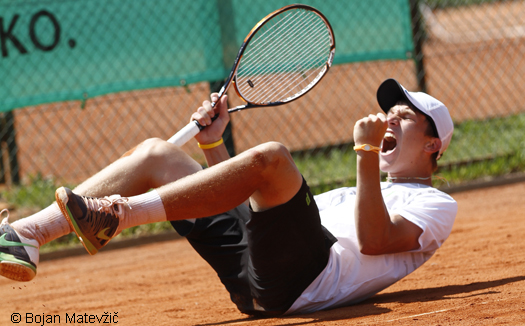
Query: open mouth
[(389, 142)]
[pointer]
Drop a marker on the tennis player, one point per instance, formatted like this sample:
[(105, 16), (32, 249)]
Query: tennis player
[(287, 251)]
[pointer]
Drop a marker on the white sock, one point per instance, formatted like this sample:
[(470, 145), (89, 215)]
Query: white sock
[(49, 224), (145, 209), (44, 226)]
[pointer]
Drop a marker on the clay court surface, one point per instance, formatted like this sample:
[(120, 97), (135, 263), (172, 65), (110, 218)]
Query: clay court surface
[(476, 278)]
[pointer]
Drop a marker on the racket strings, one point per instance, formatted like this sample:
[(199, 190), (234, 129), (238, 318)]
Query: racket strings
[(284, 32), (299, 75), (279, 24), (284, 84), (298, 79), (269, 53), (293, 86), (296, 48), (284, 81), (280, 56)]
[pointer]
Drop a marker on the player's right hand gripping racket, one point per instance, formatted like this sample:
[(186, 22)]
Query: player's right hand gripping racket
[(283, 57)]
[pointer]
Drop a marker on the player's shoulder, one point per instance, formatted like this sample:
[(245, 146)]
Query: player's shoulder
[(416, 190), (334, 197), (337, 192)]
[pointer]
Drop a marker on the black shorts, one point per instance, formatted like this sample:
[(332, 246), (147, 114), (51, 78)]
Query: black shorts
[(264, 259)]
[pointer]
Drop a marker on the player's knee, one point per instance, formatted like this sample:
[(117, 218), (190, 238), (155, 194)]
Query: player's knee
[(276, 151), (271, 155), (156, 149)]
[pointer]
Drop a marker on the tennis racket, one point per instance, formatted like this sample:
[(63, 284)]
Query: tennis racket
[(283, 57)]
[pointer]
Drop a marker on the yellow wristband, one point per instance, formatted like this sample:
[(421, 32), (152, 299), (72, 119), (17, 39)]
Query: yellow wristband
[(212, 145), (367, 148)]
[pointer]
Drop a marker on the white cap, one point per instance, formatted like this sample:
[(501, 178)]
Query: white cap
[(390, 92)]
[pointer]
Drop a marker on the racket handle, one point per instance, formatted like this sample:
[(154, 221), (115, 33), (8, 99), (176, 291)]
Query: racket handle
[(186, 133)]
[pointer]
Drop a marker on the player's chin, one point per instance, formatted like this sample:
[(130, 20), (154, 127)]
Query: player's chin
[(383, 166), (386, 162)]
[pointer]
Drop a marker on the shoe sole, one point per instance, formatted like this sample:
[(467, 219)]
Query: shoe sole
[(16, 271), (62, 199)]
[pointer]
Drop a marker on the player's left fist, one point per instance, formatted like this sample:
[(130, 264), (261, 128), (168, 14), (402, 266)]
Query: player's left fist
[(370, 130)]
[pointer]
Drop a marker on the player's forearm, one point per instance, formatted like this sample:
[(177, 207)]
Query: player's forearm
[(371, 216), (216, 155)]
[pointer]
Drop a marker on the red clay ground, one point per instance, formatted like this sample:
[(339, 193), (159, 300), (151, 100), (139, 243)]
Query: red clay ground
[(476, 278)]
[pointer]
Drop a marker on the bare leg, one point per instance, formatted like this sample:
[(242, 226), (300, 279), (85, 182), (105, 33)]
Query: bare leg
[(265, 174), (151, 164)]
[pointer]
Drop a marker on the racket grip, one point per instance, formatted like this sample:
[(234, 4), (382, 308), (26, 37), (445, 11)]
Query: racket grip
[(185, 134)]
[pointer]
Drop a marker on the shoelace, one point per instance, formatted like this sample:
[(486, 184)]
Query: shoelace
[(108, 204)]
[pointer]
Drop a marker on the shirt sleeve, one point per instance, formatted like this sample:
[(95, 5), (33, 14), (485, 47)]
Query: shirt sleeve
[(333, 197), (322, 201), (434, 212)]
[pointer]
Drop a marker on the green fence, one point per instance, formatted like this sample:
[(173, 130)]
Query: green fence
[(83, 81), (76, 50)]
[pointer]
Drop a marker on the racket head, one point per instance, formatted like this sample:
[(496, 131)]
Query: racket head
[(283, 57)]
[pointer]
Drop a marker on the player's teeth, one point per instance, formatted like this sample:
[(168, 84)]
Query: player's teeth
[(389, 134)]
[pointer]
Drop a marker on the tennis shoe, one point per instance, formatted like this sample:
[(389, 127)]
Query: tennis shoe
[(94, 220), (18, 255)]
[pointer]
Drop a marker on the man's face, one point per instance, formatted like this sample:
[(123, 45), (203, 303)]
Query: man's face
[(404, 142)]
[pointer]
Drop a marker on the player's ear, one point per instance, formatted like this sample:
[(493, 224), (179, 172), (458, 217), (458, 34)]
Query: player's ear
[(433, 145)]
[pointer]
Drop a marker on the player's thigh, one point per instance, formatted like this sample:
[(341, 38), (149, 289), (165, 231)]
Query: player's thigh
[(151, 164), (288, 249), (221, 240)]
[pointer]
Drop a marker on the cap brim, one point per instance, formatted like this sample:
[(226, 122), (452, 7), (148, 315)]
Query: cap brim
[(389, 93)]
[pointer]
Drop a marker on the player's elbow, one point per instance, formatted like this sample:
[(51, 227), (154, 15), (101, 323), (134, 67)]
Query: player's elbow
[(374, 244), (373, 241), (387, 245), (370, 249)]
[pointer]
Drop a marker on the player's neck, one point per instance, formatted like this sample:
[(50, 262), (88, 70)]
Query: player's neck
[(413, 172), (425, 180)]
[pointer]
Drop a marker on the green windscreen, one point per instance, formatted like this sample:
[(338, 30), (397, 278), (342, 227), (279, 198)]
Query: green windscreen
[(60, 50)]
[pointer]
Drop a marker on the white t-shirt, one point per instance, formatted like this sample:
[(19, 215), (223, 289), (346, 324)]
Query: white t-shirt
[(350, 276)]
